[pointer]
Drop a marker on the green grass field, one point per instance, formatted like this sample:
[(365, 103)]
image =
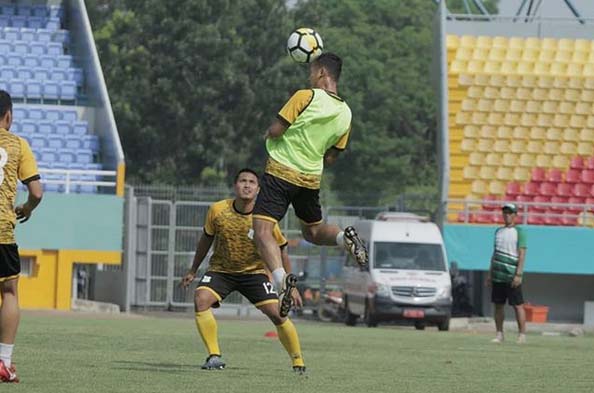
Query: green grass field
[(82, 354)]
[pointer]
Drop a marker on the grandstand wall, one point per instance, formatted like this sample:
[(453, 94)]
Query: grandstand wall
[(517, 124)]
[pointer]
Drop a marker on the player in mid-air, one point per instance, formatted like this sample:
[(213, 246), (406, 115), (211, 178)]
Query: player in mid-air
[(310, 130), (16, 163), (236, 266)]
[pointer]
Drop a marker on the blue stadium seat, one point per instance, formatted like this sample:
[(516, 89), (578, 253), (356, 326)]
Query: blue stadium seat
[(51, 90), (16, 127), (95, 166), (20, 47), (31, 60), (76, 75), (40, 11), (80, 127), (91, 142), (14, 61), (47, 62), (53, 24), (53, 115), (20, 113), (56, 11), (7, 10), (58, 75), (24, 73), (3, 59), (17, 88), (74, 142), (28, 34), (37, 48), (67, 155), (7, 73), (44, 35), (36, 114), (68, 91), (11, 34), (3, 85), (84, 156), (56, 141), (35, 22), (62, 37), (34, 89), (40, 74), (64, 61), (23, 10), (18, 21), (63, 127), (4, 22), (55, 49), (28, 127), (38, 141), (69, 115), (46, 127), (5, 46)]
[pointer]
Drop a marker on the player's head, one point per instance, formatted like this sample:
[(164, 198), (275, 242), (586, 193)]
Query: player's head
[(5, 110), (327, 65), (510, 212), (246, 184)]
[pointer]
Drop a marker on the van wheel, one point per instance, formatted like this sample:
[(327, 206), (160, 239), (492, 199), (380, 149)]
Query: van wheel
[(444, 325), (420, 325), (370, 318), (349, 319)]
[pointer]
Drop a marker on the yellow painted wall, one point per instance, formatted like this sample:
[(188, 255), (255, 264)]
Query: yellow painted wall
[(50, 284)]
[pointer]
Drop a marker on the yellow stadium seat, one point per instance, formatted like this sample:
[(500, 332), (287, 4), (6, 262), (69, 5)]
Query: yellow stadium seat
[(511, 119), (590, 122), (498, 79), (544, 120), (527, 160), (465, 80), (567, 107), (563, 56), (545, 81), (558, 68), (457, 94), (468, 105), (479, 118), (481, 54), (582, 45), (551, 147), (554, 134), (464, 54), (500, 42), (497, 54), (458, 161), (529, 55), (585, 148), (560, 162), (484, 145), (479, 187), (555, 95), (457, 66), (491, 92), (501, 146), (533, 106), (496, 187), (543, 160), (459, 190), (456, 175), (475, 91), (574, 69), (578, 121), (518, 146), (504, 132), (485, 105), (586, 219), (454, 107), (583, 108), (455, 147), (521, 174), (523, 94), (493, 159), (491, 67), (475, 66), (501, 105), (550, 106), (456, 134), (538, 93), (510, 159), (508, 67), (513, 54), (452, 41), (548, 44), (476, 158), (504, 173), (468, 145), (560, 82), (528, 119), (482, 80), (487, 172), (572, 95), (516, 42), (546, 56), (538, 133), (532, 43), (571, 134), (484, 41), (507, 92), (587, 135), (525, 67), (529, 81), (471, 172), (534, 147), (488, 132), (468, 41), (565, 44), (471, 131), (521, 133), (463, 118), (568, 148), (588, 69), (542, 68), (513, 81), (579, 57), (587, 95)]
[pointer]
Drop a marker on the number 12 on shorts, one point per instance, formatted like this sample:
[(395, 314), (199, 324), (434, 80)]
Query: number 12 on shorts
[(269, 288)]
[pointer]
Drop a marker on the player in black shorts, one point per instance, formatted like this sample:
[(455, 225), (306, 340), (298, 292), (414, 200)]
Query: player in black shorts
[(236, 265)]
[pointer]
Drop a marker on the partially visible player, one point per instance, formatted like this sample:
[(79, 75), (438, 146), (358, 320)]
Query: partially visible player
[(16, 163), (236, 266), (310, 131)]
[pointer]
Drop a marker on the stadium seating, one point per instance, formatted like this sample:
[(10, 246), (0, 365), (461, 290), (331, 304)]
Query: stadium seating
[(521, 124)]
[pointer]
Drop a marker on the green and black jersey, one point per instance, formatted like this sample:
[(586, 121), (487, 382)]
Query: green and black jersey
[(508, 241)]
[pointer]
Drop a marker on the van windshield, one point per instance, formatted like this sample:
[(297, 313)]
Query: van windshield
[(408, 256)]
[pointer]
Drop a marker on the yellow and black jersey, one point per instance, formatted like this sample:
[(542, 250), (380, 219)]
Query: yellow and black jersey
[(16, 163), (234, 247)]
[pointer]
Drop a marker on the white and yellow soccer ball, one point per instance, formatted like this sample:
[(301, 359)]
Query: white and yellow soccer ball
[(304, 45)]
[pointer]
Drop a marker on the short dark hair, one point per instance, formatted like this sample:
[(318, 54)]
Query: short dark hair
[(5, 103), (246, 170), (331, 62)]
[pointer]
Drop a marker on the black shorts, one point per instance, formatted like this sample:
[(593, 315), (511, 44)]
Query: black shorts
[(276, 194), (257, 288), (502, 292), (10, 263)]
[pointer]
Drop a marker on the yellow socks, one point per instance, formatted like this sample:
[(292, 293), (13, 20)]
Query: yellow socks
[(287, 335), (207, 328)]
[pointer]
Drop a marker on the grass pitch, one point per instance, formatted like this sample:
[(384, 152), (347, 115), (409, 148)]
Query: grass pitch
[(58, 353)]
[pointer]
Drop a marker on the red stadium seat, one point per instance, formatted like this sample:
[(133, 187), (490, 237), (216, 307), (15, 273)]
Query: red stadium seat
[(491, 202), (558, 199), (513, 189), (576, 201), (482, 217), (538, 175), (539, 199), (592, 190), (590, 202), (463, 217), (590, 163), (536, 219), (573, 176), (564, 189), (577, 162), (531, 188), (552, 217), (587, 176), (555, 175), (581, 190), (569, 219), (547, 188)]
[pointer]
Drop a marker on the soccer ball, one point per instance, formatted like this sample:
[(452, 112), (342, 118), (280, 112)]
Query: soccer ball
[(304, 45)]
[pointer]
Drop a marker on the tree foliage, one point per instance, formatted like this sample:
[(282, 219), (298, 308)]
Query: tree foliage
[(194, 84)]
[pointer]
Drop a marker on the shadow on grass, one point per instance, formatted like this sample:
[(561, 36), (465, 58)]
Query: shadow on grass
[(170, 368)]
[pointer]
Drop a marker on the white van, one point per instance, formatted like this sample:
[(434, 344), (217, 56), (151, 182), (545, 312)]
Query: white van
[(408, 276)]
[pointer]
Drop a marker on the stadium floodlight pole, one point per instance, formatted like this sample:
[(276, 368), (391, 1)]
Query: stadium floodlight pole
[(479, 4), (467, 7), (574, 11)]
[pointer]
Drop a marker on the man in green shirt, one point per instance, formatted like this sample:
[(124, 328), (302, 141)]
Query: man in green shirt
[(310, 130), (505, 273)]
